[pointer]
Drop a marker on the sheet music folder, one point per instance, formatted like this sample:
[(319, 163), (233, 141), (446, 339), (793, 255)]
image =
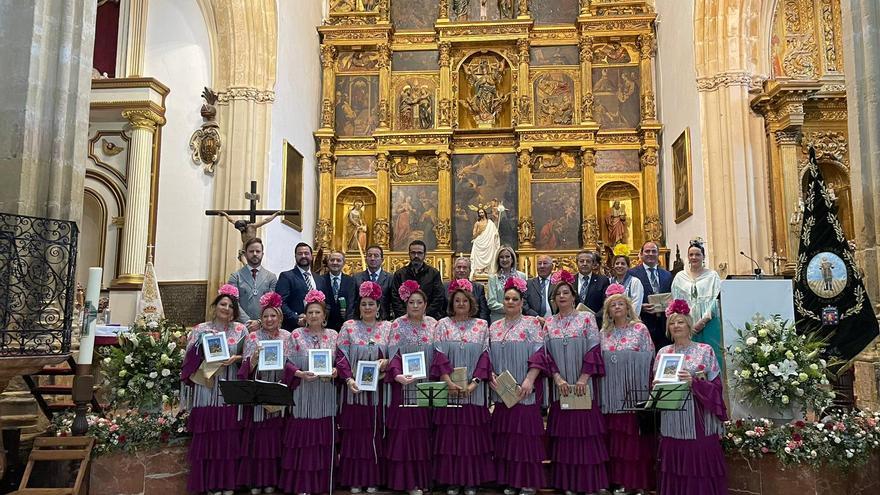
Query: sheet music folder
[(253, 392)]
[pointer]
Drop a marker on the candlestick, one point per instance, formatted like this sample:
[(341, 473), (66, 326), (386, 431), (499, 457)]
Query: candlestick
[(90, 311)]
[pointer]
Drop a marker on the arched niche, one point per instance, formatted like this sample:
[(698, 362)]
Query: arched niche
[(836, 176), (346, 236), (614, 198), (484, 88)]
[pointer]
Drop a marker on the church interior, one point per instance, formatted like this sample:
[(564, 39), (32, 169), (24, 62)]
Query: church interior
[(170, 131)]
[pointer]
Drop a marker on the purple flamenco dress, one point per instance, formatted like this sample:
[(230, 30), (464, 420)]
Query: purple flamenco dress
[(215, 449), (462, 445), (408, 441), (691, 459), (309, 439), (361, 415), (518, 432), (628, 354), (577, 438), (261, 427)]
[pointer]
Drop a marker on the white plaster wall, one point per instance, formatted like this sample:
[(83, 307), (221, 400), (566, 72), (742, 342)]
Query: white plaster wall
[(295, 116), (178, 53), (678, 108)]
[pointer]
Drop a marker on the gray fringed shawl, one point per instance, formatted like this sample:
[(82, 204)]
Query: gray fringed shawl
[(568, 354), (627, 376), (465, 354)]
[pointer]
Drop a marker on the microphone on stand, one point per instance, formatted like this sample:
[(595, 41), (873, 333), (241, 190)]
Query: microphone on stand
[(758, 271)]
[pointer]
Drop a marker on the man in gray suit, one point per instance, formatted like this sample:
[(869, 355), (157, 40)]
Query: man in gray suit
[(461, 270), (374, 272), (538, 290), (252, 281)]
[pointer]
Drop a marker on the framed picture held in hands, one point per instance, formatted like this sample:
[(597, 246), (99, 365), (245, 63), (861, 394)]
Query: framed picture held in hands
[(321, 362), (215, 347), (367, 376), (271, 355), (668, 366), (414, 364)]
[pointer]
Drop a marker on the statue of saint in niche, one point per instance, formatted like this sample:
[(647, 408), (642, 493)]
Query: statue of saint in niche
[(615, 221), (357, 228)]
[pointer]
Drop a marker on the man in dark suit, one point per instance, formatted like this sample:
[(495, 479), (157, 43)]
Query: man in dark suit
[(339, 290), (590, 284), (655, 280), (294, 284), (462, 270), (428, 278), (374, 273), (537, 300)]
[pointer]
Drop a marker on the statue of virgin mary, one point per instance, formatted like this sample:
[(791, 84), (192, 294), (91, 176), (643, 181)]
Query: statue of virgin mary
[(485, 246)]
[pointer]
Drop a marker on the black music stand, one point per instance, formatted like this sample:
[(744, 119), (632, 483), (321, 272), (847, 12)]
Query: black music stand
[(255, 392)]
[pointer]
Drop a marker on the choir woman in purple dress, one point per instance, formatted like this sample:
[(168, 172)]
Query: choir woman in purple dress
[(463, 445), (516, 345), (691, 459), (361, 416), (215, 449), (628, 353)]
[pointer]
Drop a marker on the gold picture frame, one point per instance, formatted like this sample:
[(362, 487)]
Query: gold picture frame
[(292, 185), (683, 185)]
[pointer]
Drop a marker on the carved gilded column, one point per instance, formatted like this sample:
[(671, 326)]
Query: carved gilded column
[(586, 57), (382, 224), (133, 254), (525, 94), (445, 118), (443, 229), (384, 84), (328, 88), (526, 230), (326, 166), (584, 8), (786, 161), (444, 10), (590, 224), (653, 228), (647, 45), (523, 9)]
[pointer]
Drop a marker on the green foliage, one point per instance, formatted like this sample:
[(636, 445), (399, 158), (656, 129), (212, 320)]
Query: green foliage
[(126, 432)]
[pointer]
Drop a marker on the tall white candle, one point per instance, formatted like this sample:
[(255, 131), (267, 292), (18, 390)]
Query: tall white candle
[(87, 339)]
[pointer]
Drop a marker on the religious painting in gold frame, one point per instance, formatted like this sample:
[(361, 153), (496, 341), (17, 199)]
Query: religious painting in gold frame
[(292, 185), (683, 187)]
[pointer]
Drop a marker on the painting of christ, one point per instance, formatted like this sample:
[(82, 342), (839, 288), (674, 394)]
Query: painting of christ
[(491, 181)]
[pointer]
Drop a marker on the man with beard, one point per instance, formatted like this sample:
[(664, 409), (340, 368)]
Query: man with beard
[(374, 273), (252, 281), (295, 283), (428, 278)]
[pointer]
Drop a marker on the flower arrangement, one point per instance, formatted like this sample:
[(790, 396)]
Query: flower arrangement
[(678, 307), (125, 432), (270, 300), (460, 284), (314, 296), (143, 372), (407, 289), (228, 290), (841, 439), (614, 289), (370, 289), (515, 283), (562, 276), (778, 368)]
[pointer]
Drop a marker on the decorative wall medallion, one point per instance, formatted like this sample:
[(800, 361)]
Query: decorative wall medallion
[(206, 142)]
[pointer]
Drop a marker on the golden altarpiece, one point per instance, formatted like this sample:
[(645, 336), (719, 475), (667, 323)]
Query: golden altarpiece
[(471, 122)]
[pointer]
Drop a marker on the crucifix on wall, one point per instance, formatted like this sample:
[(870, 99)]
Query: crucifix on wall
[(248, 227)]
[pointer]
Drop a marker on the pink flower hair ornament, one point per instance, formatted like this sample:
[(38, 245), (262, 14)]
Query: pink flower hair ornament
[(562, 276), (228, 290), (515, 283), (614, 289), (370, 289), (314, 296), (270, 300), (407, 289), (460, 284), (678, 306)]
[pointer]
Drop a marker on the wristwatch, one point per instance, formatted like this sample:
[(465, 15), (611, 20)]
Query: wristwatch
[(476, 380)]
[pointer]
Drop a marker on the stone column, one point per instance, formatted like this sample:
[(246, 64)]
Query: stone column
[(590, 224), (526, 228), (136, 229), (46, 63), (382, 224), (586, 58), (446, 106), (787, 161), (443, 229), (384, 85), (524, 113), (328, 87), (132, 41)]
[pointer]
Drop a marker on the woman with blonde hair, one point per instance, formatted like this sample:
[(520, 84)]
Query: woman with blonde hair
[(628, 353), (691, 459), (504, 269)]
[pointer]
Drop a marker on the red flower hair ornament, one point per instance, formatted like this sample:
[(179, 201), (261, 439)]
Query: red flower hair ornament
[(370, 289), (562, 276), (515, 283), (314, 296), (460, 284), (678, 306), (270, 300), (614, 289), (228, 290), (407, 289)]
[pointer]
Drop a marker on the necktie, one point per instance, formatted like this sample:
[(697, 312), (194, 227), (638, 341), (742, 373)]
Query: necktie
[(308, 277), (543, 296), (374, 276), (584, 286), (335, 287), (655, 285), (254, 272)]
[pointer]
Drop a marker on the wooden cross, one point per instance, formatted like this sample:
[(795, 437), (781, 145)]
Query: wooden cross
[(253, 197)]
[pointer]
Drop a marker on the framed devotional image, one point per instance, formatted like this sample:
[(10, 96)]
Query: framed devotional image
[(668, 366), (367, 376), (414, 364), (271, 355), (683, 187), (321, 362), (215, 347)]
